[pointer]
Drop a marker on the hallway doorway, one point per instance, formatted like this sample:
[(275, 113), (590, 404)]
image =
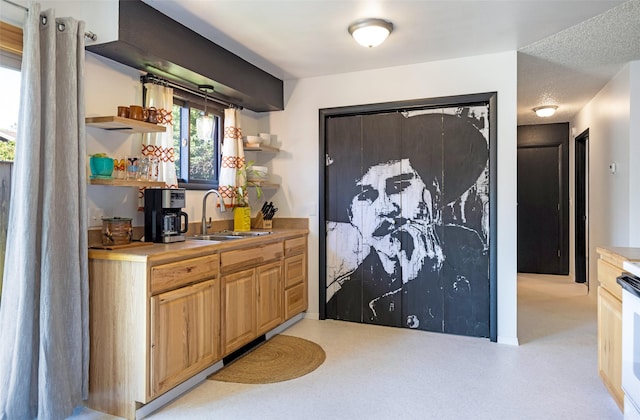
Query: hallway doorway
[(582, 208), (543, 198)]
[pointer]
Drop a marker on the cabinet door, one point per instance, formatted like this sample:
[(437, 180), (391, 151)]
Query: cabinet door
[(610, 343), (239, 309), (184, 331), (269, 304)]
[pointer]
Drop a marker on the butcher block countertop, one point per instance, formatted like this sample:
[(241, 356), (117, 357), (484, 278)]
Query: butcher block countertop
[(165, 253)]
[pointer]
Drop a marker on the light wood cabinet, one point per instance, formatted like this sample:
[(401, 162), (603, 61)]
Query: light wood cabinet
[(295, 277), (248, 307), (610, 317), (151, 327), (118, 310), (159, 315), (269, 299), (239, 309), (184, 333), (610, 343)]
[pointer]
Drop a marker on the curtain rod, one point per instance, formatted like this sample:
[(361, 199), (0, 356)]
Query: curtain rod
[(152, 78), (87, 34)]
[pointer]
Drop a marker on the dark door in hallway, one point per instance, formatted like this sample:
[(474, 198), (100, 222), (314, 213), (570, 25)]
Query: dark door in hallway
[(581, 211), (543, 216)]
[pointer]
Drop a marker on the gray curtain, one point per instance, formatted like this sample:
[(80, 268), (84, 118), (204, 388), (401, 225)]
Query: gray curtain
[(44, 311)]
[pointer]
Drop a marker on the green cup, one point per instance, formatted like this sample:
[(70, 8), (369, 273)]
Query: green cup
[(101, 167)]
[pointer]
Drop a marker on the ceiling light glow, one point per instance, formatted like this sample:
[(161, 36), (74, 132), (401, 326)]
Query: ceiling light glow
[(545, 110), (370, 32)]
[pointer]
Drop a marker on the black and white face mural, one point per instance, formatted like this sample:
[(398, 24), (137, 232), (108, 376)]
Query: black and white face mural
[(408, 220)]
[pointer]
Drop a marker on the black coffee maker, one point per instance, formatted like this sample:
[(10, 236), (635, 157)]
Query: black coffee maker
[(163, 215)]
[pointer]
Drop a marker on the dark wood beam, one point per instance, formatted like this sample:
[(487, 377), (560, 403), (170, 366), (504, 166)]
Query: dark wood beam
[(151, 41)]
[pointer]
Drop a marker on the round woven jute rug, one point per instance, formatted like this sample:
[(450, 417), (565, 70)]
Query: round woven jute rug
[(281, 358)]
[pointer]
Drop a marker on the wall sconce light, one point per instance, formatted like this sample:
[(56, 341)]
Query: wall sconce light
[(370, 32), (545, 110), (204, 123)]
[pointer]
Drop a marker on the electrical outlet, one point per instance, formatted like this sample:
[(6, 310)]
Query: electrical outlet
[(95, 217)]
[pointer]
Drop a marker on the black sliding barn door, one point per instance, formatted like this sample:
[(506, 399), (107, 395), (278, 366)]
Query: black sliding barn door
[(407, 219)]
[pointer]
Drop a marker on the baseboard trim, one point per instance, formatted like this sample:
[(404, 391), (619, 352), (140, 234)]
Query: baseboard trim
[(512, 341), (176, 392), (280, 328)]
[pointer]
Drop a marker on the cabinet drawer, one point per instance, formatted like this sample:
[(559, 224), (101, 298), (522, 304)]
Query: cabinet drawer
[(295, 246), (295, 300), (294, 270), (607, 274), (170, 276), (241, 259)]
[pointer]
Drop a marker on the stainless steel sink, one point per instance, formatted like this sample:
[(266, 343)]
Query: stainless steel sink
[(214, 237), (226, 235), (242, 233)]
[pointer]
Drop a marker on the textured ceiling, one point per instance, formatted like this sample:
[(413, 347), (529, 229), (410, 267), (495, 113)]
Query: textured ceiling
[(568, 68), (568, 48)]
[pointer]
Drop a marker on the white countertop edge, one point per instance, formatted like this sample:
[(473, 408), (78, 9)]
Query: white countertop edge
[(632, 267)]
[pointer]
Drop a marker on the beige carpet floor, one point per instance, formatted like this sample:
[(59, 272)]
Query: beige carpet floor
[(375, 372)]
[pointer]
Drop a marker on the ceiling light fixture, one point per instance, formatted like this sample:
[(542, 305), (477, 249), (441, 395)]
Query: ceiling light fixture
[(545, 111), (370, 32), (204, 123)]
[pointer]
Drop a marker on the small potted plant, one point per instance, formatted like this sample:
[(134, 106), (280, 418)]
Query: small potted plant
[(242, 210)]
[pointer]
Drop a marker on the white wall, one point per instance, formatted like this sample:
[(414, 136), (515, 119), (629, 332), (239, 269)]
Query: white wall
[(634, 154), (297, 128), (607, 116)]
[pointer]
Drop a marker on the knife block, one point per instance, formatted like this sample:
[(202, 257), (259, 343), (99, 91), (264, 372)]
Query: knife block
[(260, 223)]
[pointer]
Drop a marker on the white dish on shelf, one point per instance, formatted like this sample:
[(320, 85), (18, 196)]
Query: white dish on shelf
[(266, 137), (254, 141), (257, 173)]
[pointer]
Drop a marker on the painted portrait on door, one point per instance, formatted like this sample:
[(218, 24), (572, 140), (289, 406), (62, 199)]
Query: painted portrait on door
[(407, 219)]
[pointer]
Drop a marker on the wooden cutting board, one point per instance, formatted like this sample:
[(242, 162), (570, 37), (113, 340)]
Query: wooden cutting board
[(129, 245)]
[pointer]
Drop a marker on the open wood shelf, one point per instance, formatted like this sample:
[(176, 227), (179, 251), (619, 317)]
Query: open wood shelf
[(126, 125), (263, 185), (126, 183), (261, 148)]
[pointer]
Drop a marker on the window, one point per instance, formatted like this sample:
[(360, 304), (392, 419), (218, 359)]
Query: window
[(197, 160), (10, 88), (10, 57)]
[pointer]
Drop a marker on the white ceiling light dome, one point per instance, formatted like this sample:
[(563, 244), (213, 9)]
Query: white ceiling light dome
[(545, 110), (370, 32)]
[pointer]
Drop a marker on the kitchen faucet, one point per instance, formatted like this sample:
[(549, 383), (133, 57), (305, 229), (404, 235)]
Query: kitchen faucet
[(204, 208)]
